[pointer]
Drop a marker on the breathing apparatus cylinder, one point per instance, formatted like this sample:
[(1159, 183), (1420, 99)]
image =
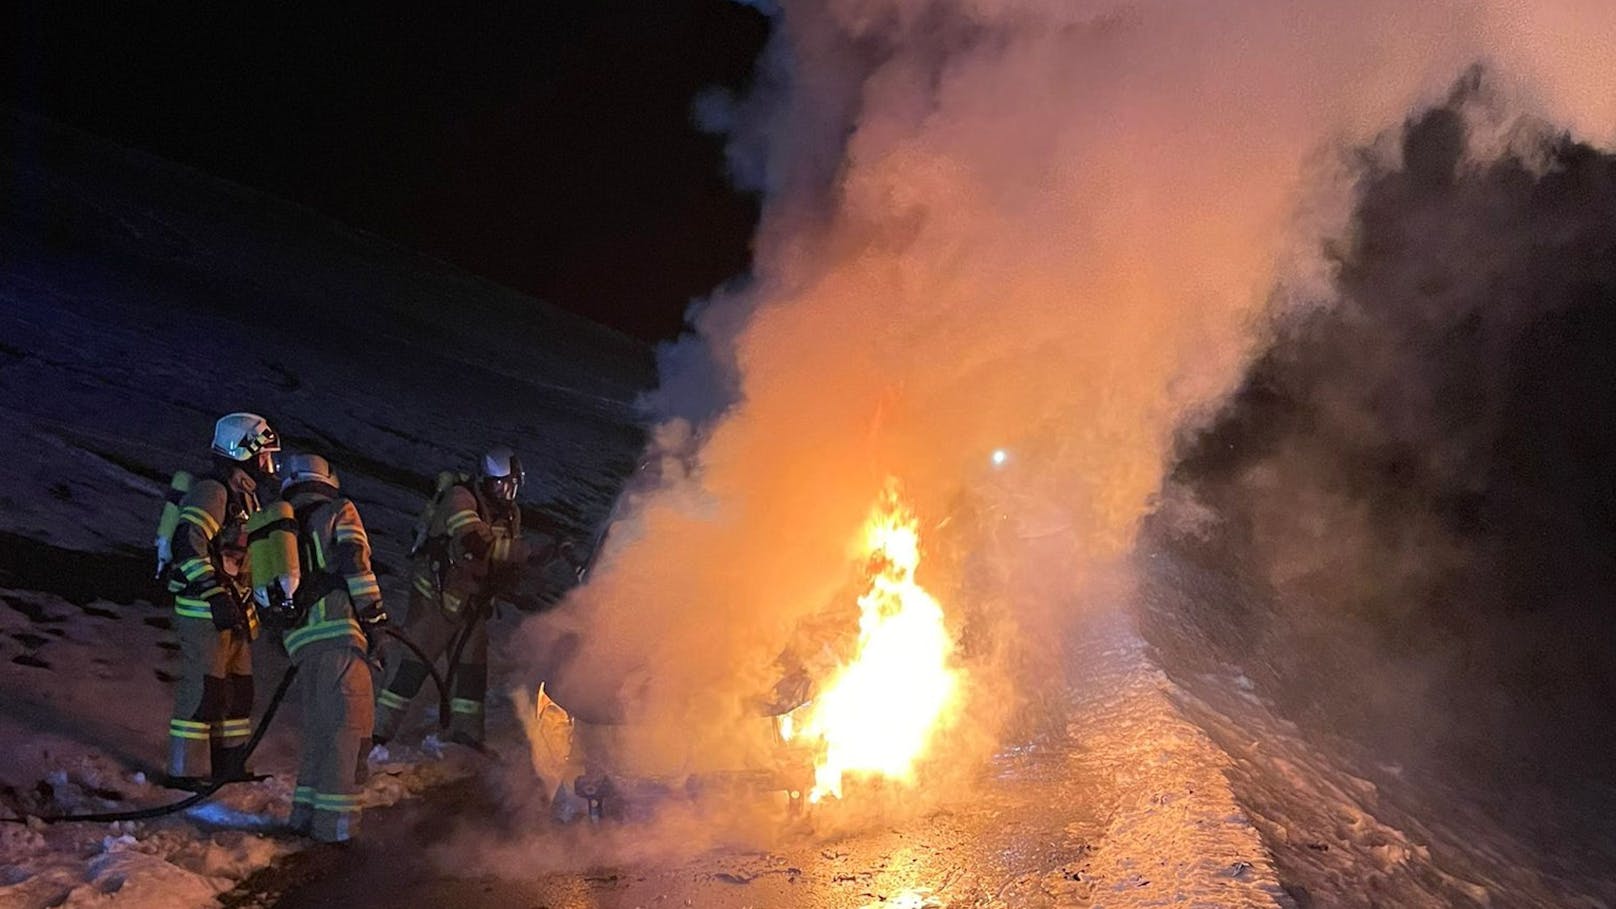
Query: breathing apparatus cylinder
[(169, 520), (272, 552)]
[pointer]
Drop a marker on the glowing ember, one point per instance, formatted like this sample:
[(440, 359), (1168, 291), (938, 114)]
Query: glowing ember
[(878, 714)]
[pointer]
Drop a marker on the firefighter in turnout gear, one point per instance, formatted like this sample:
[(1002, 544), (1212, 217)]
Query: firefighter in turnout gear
[(327, 624), (467, 552), (213, 613)]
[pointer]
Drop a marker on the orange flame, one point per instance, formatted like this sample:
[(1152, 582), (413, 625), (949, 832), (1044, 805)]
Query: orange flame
[(878, 714)]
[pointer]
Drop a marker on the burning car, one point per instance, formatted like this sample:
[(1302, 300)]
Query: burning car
[(858, 694), (617, 769)]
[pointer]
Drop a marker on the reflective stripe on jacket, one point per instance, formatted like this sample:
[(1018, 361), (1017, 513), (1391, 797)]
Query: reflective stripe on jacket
[(334, 547), (209, 542), (467, 537)]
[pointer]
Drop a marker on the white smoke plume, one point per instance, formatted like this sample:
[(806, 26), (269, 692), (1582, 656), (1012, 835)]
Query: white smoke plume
[(1048, 226)]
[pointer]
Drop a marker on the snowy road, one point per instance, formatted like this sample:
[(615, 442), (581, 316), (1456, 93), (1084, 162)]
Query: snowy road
[(1035, 824), (1127, 808)]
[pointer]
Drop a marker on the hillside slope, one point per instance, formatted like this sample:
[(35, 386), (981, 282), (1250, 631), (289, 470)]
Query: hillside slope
[(138, 301)]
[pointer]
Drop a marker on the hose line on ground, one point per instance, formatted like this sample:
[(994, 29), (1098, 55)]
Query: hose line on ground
[(141, 814)]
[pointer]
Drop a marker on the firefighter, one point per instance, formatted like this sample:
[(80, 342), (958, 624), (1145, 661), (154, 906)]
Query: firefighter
[(213, 615), (327, 627), (468, 551)]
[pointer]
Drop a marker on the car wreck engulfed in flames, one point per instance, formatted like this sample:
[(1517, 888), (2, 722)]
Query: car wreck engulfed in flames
[(862, 694), (858, 695), (606, 769)]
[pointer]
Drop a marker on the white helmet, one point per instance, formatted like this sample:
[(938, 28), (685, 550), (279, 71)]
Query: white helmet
[(242, 436), (501, 473), (308, 468)]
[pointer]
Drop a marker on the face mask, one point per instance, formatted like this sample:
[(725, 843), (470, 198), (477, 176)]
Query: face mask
[(503, 488)]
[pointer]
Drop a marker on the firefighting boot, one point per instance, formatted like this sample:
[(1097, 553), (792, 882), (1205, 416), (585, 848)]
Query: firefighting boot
[(184, 783), (230, 764), (301, 820)]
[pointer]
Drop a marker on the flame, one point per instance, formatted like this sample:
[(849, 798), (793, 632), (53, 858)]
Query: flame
[(878, 714)]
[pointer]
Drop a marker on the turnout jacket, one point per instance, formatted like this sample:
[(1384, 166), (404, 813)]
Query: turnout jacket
[(474, 548), (337, 579), (210, 551)]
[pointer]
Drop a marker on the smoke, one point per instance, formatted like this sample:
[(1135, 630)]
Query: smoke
[(1046, 226), (1414, 479)]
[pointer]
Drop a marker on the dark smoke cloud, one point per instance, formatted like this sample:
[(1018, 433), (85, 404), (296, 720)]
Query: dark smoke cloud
[(1414, 483)]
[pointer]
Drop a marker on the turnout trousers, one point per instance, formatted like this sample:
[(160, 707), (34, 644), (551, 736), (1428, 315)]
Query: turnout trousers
[(213, 699), (435, 632), (335, 693)]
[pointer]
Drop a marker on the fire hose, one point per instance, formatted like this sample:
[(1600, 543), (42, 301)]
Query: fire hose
[(285, 684), (438, 679), (446, 682), (141, 814)]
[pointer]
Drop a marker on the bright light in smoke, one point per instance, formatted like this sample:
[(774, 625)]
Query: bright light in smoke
[(877, 715), (1000, 456)]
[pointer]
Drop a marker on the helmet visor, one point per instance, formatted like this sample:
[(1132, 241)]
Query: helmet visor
[(264, 440), (504, 489)]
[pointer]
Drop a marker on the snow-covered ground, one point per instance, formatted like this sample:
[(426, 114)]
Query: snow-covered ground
[(1347, 826), (1121, 803), (1176, 834), (138, 301)]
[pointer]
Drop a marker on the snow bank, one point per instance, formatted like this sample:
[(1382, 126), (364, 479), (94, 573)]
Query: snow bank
[(1347, 828), (1176, 834), (157, 868)]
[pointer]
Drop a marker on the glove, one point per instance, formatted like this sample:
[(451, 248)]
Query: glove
[(372, 616), (564, 551), (372, 619), (227, 610)]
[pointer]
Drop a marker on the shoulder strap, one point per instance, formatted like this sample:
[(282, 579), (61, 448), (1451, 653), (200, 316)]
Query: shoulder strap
[(311, 550), (424, 538), (470, 487), (319, 581), (308, 508)]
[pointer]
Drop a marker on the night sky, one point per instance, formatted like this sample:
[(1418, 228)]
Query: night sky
[(545, 145)]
